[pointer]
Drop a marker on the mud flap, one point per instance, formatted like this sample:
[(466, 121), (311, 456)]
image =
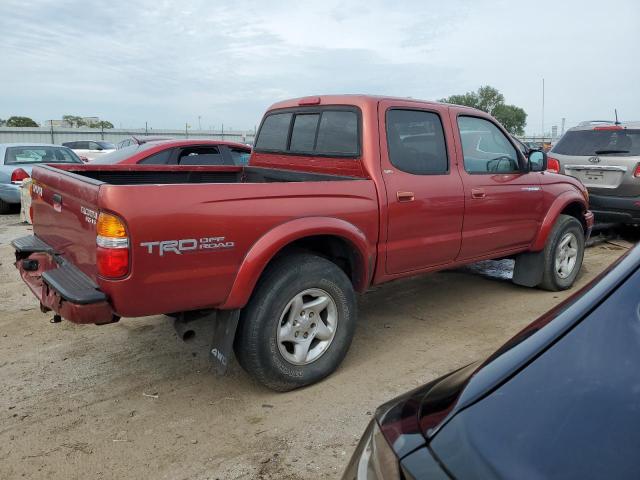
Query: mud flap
[(529, 269), (224, 332)]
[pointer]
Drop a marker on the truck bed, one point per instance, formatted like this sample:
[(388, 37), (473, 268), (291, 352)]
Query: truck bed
[(231, 206), (141, 175)]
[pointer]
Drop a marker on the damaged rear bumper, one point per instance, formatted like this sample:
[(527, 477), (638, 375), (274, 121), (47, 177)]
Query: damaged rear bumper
[(59, 285)]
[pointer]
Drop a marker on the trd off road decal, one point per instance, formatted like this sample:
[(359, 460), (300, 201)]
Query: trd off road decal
[(90, 216), (187, 245)]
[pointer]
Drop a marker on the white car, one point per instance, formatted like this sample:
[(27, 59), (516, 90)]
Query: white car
[(90, 149)]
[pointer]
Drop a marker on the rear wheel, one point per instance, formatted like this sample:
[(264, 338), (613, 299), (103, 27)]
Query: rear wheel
[(563, 254), (299, 323)]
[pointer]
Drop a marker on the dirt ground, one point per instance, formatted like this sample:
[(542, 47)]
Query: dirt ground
[(130, 400)]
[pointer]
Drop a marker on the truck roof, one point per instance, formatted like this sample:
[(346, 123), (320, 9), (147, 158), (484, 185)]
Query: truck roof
[(354, 99)]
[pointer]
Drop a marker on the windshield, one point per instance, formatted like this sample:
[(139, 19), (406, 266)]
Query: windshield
[(39, 154), (107, 145), (622, 142)]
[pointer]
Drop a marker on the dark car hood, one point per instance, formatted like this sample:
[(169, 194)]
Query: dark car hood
[(414, 418)]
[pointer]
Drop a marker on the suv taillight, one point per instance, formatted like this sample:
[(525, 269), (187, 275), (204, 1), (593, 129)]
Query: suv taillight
[(112, 254), (553, 165), (18, 175), (637, 172)]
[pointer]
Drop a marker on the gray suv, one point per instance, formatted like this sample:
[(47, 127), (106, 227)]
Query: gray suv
[(605, 157)]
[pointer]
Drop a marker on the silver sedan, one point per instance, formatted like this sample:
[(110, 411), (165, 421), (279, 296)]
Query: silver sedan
[(16, 161)]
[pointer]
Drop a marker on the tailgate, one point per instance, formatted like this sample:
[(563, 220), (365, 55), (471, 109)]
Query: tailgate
[(65, 213)]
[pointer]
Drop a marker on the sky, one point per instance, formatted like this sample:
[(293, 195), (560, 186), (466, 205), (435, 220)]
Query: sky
[(168, 63)]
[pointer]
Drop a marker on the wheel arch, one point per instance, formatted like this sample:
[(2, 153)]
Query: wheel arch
[(337, 240), (569, 203)]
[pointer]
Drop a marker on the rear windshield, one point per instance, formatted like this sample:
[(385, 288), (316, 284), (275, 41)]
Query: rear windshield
[(107, 145), (332, 132), (39, 154), (599, 142)]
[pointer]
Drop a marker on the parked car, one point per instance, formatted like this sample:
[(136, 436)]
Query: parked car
[(90, 149), (557, 401), (606, 158), (523, 147), (534, 145), (127, 142), (16, 161), (180, 152), (342, 192)]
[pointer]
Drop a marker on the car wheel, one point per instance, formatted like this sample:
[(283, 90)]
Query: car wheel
[(298, 325), (563, 254)]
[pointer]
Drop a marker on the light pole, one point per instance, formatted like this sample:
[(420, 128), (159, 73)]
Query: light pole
[(543, 109)]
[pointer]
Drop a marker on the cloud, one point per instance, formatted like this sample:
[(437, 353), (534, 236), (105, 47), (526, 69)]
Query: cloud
[(168, 63)]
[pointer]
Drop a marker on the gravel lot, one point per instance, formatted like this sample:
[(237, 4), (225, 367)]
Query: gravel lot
[(130, 400)]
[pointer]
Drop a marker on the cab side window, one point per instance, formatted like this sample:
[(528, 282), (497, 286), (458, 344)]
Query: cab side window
[(485, 148), (416, 142)]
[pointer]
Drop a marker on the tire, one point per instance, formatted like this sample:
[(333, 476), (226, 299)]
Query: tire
[(5, 207), (271, 314), (554, 279)]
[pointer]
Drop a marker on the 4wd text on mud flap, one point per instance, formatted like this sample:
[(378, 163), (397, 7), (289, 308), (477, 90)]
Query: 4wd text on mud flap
[(187, 245)]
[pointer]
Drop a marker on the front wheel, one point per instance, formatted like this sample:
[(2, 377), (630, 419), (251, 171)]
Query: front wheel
[(299, 322), (563, 254)]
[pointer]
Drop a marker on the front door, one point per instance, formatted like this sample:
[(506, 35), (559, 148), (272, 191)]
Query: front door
[(503, 200), (425, 202)]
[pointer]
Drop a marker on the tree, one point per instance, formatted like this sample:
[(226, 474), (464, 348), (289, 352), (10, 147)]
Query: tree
[(490, 100), (74, 120), (101, 124), (2, 122), (511, 117), (21, 122)]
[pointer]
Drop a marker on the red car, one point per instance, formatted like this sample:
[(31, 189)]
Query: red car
[(342, 193), (179, 152)]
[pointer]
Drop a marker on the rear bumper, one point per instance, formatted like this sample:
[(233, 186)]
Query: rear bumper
[(610, 209), (59, 285)]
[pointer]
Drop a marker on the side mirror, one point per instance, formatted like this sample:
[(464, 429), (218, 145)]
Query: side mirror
[(537, 161)]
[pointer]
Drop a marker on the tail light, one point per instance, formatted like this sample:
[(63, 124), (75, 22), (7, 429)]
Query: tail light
[(637, 171), (112, 254), (609, 127), (553, 165), (18, 176)]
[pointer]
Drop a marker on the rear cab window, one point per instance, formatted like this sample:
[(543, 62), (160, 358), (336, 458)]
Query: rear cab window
[(329, 131)]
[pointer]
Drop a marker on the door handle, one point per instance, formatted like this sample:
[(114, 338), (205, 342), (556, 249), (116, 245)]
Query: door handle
[(406, 196), (478, 193)]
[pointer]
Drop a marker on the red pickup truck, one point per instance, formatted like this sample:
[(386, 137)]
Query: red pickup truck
[(341, 193)]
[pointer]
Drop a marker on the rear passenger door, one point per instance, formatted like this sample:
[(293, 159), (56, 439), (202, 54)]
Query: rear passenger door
[(425, 202)]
